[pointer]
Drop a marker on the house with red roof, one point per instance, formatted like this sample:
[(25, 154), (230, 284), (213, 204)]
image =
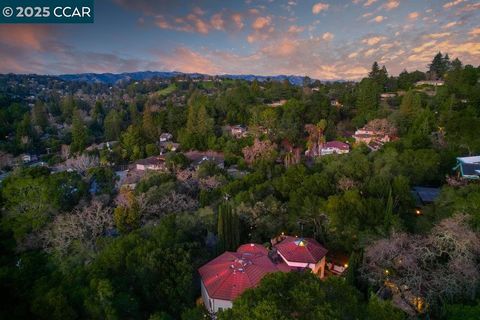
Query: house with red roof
[(302, 253), (334, 147), (227, 276)]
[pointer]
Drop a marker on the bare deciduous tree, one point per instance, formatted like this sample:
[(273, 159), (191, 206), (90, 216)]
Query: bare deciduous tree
[(439, 267), (84, 224), (81, 163), (259, 150)]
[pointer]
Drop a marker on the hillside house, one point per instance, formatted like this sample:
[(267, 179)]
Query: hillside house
[(387, 95), (468, 167), (227, 276), (435, 83), (278, 103), (335, 103), (238, 131), (155, 163), (164, 137), (334, 147), (374, 137), (198, 157)]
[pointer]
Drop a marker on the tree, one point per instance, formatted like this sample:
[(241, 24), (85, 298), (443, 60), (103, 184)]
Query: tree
[(296, 295), (84, 224), (98, 112), (378, 309), (380, 76), (112, 125), (81, 163), (176, 161), (260, 151), (367, 100), (149, 128), (228, 228), (425, 268), (39, 115), (24, 134), (389, 219), (199, 125), (132, 143), (79, 133), (439, 66)]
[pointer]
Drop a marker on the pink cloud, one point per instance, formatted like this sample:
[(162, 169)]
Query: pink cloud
[(328, 36), (261, 22), (238, 20), (369, 3), (413, 15), (217, 22), (449, 5), (186, 60), (378, 19), (391, 4), (295, 29), (319, 7)]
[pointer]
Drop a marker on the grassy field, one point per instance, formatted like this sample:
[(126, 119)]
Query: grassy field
[(166, 91)]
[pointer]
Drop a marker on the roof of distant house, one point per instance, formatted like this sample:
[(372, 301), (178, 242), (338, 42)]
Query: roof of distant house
[(425, 194), (230, 274), (196, 156), (151, 160), (337, 144), (470, 165), (304, 250)]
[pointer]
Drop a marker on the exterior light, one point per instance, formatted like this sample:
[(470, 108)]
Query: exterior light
[(345, 265), (418, 212)]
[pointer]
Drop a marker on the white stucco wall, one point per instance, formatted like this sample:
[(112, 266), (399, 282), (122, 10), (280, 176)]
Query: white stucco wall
[(318, 268), (213, 305)]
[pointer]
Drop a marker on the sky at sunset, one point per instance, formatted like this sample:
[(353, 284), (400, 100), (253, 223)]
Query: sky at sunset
[(324, 40)]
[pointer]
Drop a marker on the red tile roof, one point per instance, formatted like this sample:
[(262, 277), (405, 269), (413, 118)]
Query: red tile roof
[(230, 274), (337, 144), (252, 248), (303, 250)]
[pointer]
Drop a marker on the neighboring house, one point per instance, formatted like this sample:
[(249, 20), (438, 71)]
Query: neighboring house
[(434, 83), (169, 146), (238, 131), (425, 195), (335, 103), (155, 163), (302, 253), (227, 276), (101, 146), (334, 147), (128, 178), (27, 158), (198, 157), (468, 167), (374, 139), (278, 103), (164, 137), (387, 95)]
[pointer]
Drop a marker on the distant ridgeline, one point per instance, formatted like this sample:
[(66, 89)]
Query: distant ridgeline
[(112, 78)]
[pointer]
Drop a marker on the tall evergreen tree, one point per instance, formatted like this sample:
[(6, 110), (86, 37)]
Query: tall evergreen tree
[(439, 66), (112, 125), (388, 218), (367, 100), (149, 128), (228, 228), (79, 133), (39, 115)]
